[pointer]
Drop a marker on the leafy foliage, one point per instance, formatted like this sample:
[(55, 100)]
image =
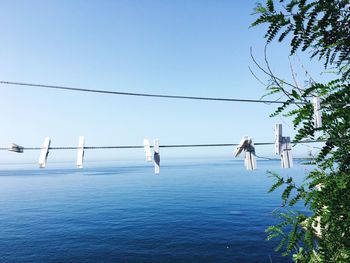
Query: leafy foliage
[(322, 27)]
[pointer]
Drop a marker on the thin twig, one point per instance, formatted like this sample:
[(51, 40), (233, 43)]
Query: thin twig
[(294, 76), (259, 80), (266, 72), (275, 78)]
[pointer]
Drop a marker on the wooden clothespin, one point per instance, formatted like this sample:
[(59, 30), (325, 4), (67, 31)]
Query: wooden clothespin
[(44, 152), (317, 112), (278, 138), (147, 149), (286, 155), (15, 148), (156, 156), (247, 145), (80, 156)]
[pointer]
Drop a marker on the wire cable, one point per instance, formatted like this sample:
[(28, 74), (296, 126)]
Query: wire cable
[(161, 146), (145, 94)]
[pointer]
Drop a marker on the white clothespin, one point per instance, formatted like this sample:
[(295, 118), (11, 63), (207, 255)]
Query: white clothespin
[(80, 156), (283, 147), (44, 152), (147, 148), (247, 145), (286, 155), (242, 144), (156, 156), (15, 148), (317, 112), (278, 138), (250, 160)]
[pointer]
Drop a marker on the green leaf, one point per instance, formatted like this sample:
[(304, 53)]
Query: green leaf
[(295, 94)]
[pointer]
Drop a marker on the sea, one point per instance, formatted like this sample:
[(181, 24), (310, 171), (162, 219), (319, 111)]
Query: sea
[(193, 211)]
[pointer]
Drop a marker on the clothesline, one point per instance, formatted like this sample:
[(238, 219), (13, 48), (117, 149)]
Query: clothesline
[(246, 145), (161, 146), (56, 87)]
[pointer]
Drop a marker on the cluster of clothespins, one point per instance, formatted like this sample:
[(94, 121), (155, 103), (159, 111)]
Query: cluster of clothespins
[(44, 152), (282, 144), (282, 148), (246, 145)]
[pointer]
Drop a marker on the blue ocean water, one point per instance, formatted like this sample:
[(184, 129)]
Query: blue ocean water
[(191, 212)]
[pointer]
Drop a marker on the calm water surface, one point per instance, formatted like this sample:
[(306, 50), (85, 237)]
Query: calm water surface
[(192, 212)]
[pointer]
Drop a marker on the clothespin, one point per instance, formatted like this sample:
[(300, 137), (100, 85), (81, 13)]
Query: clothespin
[(80, 156), (242, 144), (44, 152), (15, 148), (278, 138), (147, 148), (286, 155), (156, 157), (247, 145), (317, 112), (283, 147), (250, 160)]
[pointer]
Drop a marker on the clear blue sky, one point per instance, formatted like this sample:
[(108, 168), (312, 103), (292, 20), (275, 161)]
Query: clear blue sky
[(197, 47)]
